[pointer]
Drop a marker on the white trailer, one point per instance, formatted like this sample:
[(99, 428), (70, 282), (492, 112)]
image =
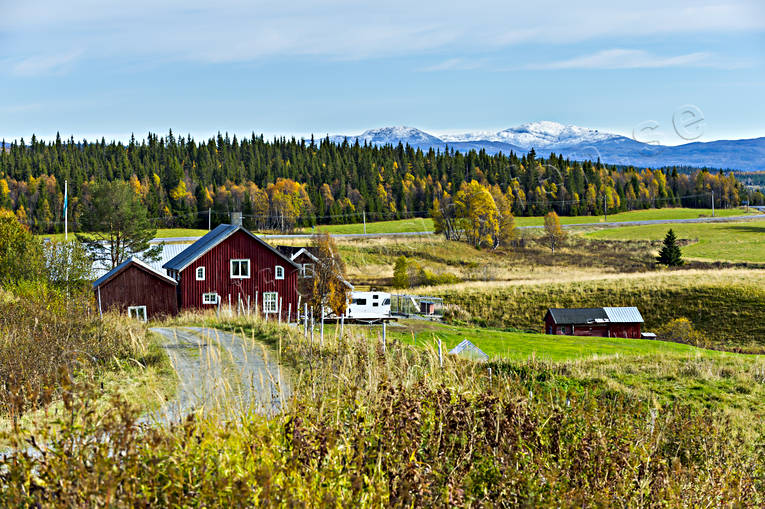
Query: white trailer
[(368, 306)]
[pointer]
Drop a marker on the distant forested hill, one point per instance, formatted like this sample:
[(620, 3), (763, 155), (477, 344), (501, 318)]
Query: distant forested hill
[(283, 183)]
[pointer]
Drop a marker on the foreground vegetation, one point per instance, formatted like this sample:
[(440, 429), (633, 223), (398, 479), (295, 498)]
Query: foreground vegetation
[(373, 427)]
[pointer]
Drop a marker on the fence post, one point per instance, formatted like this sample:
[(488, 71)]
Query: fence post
[(321, 337), (305, 320), (248, 305), (440, 353), (280, 310), (289, 312), (229, 305), (342, 325), (312, 325)]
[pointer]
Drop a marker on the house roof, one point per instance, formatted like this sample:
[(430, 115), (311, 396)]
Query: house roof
[(167, 253), (566, 316), (212, 239), (127, 263), (295, 251), (624, 315)]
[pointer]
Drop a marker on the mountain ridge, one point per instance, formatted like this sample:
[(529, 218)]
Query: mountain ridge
[(578, 143)]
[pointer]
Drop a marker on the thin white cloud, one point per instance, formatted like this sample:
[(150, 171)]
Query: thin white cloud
[(628, 59), (249, 30), (43, 64), (457, 64)]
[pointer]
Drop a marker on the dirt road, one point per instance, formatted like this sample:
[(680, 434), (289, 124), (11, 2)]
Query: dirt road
[(222, 371)]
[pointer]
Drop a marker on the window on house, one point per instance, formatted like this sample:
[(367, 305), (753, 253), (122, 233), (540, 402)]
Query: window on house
[(306, 270), (279, 272), (209, 298), (270, 302), (200, 273), (137, 312), (240, 269), (359, 302)]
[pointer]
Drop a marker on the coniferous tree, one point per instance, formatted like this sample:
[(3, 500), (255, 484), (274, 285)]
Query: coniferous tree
[(670, 254)]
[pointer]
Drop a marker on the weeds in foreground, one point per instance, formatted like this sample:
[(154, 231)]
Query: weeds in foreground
[(391, 425)]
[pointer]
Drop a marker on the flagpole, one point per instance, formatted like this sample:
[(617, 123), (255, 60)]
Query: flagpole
[(66, 215)]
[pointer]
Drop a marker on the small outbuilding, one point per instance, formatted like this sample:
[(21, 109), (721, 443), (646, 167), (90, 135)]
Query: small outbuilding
[(140, 290), (609, 322)]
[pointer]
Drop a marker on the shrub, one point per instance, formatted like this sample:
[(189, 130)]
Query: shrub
[(681, 330), (47, 337)]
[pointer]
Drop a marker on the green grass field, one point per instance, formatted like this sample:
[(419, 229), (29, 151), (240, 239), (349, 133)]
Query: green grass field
[(737, 242), (521, 345), (725, 305), (426, 224)]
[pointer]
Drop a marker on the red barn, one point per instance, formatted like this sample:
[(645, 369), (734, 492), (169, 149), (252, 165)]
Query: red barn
[(624, 322), (137, 288), (231, 265)]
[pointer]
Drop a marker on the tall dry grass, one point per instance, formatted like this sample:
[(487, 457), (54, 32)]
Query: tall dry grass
[(374, 425)]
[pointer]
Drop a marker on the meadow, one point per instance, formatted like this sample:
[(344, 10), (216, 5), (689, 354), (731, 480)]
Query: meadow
[(521, 346), (426, 224), (726, 305), (742, 241)]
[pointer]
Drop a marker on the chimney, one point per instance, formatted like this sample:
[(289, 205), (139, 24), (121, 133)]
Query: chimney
[(236, 218)]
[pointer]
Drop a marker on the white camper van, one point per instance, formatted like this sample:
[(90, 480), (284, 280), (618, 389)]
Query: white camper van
[(368, 306)]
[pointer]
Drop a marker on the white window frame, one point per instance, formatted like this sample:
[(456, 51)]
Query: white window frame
[(270, 302), (135, 310), (304, 270), (239, 261), (202, 277), (205, 299), (279, 272)]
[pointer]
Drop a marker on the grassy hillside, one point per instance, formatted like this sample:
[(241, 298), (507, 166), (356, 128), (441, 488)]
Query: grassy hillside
[(728, 306), (522, 345), (738, 241)]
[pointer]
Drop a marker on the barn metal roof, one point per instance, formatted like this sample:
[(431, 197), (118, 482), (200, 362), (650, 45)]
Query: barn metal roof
[(578, 315), (624, 315), (209, 241), (124, 265), (168, 252), (565, 316)]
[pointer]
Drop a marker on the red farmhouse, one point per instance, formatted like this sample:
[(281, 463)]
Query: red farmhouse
[(137, 288), (603, 322), (231, 265)]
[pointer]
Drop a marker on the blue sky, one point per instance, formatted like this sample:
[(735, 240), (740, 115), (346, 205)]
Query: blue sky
[(91, 68)]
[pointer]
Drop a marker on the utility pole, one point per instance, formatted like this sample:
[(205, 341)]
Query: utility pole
[(713, 204), (364, 215)]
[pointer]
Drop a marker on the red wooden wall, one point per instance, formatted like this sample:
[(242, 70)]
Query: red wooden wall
[(217, 276), (135, 286), (614, 330)]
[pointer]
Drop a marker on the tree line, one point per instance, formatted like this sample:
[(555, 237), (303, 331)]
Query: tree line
[(283, 183)]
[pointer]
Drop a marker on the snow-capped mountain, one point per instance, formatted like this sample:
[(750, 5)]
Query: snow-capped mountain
[(394, 135), (538, 135), (579, 143)]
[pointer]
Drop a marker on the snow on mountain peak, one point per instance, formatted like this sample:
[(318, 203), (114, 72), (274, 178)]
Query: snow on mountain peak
[(543, 134), (394, 135)]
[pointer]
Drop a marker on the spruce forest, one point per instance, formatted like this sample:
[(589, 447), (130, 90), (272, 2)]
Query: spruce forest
[(285, 183)]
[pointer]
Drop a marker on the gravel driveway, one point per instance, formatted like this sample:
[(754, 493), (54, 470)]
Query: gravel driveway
[(222, 371)]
